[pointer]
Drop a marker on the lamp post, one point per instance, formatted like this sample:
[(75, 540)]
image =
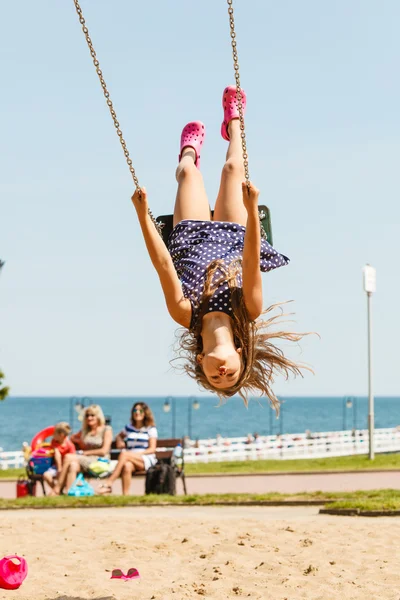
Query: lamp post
[(169, 403), (370, 287), (194, 404), (349, 402), (79, 405), (72, 401), (355, 414), (272, 416)]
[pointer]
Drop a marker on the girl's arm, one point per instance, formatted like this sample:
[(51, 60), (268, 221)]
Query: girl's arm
[(178, 306), (252, 282)]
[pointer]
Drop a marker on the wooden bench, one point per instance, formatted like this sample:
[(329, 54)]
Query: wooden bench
[(164, 453)]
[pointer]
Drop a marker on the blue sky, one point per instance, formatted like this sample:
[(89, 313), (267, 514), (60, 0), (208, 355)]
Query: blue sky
[(80, 307)]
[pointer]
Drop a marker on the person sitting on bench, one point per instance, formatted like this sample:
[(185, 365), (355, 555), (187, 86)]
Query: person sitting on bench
[(138, 441)]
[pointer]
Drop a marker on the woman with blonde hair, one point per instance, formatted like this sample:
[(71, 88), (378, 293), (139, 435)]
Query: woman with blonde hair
[(93, 441), (138, 442)]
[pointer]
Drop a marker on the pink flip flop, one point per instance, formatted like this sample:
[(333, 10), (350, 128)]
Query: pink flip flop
[(13, 570), (230, 106), (193, 135), (131, 574)]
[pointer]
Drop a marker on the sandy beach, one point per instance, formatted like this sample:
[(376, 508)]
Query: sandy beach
[(216, 553)]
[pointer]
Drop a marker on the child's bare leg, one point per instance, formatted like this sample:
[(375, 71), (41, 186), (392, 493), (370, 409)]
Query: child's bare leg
[(229, 205), (191, 198), (70, 470), (58, 460), (48, 478)]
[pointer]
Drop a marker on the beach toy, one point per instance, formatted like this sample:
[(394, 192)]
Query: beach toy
[(39, 439), (131, 574), (81, 487), (13, 570), (42, 459)]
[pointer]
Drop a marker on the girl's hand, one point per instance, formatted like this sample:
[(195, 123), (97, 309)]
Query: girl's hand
[(139, 200), (250, 196)]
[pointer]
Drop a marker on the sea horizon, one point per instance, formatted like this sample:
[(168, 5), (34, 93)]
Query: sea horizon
[(200, 417)]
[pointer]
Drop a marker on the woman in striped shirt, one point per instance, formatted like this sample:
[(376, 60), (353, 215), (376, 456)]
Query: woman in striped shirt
[(138, 441)]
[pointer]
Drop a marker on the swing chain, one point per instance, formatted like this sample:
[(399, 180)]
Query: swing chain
[(238, 90), (106, 93), (240, 105)]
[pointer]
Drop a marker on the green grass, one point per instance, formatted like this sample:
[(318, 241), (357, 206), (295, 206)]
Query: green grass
[(340, 463), (364, 500), (12, 473), (374, 500), (193, 499)]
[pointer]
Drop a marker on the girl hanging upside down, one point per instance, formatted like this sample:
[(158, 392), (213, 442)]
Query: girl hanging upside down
[(211, 272)]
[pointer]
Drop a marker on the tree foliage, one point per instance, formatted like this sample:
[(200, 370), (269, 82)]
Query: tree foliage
[(4, 390)]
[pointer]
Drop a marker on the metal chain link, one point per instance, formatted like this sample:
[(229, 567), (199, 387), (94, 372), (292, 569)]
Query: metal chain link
[(99, 72), (240, 105), (238, 90)]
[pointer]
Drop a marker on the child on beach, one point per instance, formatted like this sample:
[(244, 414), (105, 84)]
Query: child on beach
[(62, 446), (211, 271)]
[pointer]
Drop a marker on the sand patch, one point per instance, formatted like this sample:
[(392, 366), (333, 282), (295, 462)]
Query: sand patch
[(194, 552)]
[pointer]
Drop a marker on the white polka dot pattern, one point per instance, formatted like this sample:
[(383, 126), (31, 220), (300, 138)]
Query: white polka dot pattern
[(193, 245)]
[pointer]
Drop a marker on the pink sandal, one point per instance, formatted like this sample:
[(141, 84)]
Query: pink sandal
[(230, 106), (131, 574), (193, 135)]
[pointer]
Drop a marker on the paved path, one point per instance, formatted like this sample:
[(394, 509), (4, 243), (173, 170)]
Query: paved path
[(286, 483)]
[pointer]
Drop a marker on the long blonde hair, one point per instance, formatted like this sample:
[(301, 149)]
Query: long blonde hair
[(261, 359), (96, 410)]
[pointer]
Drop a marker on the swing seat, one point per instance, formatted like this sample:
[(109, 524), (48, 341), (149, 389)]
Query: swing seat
[(263, 211)]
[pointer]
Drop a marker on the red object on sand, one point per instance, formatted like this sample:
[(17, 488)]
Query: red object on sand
[(131, 574), (13, 570)]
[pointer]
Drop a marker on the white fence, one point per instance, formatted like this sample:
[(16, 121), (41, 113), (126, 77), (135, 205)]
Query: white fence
[(293, 446), (11, 460), (287, 446)]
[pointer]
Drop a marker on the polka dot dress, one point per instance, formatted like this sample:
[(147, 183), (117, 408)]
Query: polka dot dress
[(193, 245)]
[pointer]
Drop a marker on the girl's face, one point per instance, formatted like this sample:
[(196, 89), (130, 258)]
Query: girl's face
[(138, 414), (222, 366)]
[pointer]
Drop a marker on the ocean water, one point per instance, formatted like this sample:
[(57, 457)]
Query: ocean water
[(21, 418)]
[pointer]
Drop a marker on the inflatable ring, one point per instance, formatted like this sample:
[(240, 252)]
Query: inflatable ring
[(41, 436)]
